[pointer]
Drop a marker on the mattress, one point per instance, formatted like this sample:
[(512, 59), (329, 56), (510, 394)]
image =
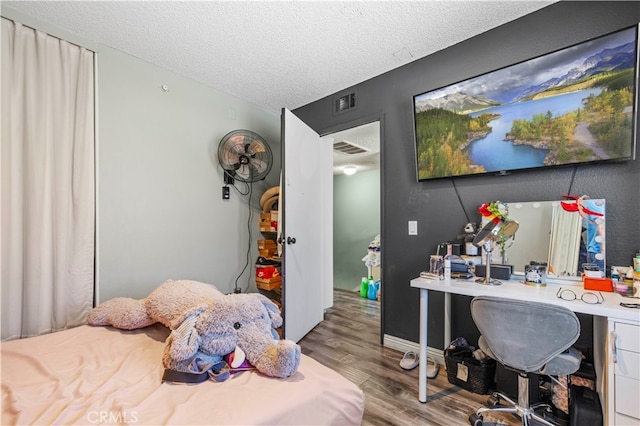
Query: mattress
[(101, 375)]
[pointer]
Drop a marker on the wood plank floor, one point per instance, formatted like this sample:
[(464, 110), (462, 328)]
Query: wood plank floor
[(348, 341)]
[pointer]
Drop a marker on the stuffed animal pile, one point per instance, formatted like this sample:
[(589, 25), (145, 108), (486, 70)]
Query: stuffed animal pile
[(206, 325)]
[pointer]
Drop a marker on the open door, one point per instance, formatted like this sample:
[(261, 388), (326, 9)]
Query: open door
[(307, 226)]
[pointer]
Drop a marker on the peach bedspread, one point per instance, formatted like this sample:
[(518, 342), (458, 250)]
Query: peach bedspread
[(100, 375)]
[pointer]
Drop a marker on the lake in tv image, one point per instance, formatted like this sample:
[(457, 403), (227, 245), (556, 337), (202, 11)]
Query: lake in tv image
[(574, 105), (495, 153)]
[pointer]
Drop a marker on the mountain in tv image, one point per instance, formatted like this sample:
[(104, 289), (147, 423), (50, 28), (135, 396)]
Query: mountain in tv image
[(619, 58), (524, 80), (571, 106), (461, 103)]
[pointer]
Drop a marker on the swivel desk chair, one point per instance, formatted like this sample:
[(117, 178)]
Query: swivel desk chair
[(528, 337)]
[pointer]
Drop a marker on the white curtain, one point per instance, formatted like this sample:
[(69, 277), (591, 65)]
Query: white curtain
[(564, 247), (47, 191)]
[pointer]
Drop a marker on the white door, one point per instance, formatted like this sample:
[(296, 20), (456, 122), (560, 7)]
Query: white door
[(307, 226)]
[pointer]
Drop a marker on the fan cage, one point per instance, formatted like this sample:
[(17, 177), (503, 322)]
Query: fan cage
[(245, 155)]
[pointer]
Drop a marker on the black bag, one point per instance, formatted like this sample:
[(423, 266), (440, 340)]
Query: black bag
[(467, 372), (584, 407)]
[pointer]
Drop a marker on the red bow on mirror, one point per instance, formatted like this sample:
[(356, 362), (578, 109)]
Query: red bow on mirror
[(576, 205)]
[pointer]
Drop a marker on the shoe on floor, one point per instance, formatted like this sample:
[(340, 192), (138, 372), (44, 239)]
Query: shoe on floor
[(433, 370), (409, 361)]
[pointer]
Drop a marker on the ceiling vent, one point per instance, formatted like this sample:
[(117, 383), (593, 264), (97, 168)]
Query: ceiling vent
[(348, 148), (345, 103)]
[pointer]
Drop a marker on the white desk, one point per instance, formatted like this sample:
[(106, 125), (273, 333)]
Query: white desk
[(610, 310)]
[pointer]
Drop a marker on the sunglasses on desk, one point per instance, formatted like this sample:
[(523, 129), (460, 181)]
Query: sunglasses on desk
[(587, 297), (631, 305)]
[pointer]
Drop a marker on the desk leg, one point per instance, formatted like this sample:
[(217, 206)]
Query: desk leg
[(422, 374), (447, 320)]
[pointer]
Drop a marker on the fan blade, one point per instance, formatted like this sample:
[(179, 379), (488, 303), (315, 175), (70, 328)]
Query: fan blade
[(229, 159), (244, 172), (259, 165), (236, 140), (255, 147)]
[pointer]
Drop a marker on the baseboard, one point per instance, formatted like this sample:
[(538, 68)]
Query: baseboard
[(407, 345)]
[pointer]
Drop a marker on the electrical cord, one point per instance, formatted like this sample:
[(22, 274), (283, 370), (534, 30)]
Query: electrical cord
[(573, 175), (233, 185), (236, 288), (460, 199)]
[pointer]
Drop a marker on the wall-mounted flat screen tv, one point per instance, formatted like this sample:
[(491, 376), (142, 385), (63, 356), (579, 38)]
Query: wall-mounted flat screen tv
[(571, 106)]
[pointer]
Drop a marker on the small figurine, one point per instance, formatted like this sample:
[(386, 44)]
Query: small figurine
[(470, 230)]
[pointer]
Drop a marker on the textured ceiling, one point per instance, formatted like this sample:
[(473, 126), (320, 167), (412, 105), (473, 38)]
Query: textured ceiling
[(277, 54)]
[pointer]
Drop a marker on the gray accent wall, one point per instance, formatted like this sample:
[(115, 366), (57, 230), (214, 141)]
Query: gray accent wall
[(356, 222), (440, 213)]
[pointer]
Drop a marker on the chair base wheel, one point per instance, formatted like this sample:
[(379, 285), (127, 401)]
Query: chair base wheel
[(475, 420), (493, 401)]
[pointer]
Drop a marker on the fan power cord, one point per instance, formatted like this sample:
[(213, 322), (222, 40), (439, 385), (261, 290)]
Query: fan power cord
[(236, 288)]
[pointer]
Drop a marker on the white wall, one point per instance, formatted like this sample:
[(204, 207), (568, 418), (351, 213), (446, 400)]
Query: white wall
[(160, 211), (356, 222)]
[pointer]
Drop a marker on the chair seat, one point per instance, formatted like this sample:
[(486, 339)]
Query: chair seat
[(567, 362)]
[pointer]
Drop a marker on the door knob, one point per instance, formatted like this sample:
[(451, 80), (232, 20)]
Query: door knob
[(291, 240)]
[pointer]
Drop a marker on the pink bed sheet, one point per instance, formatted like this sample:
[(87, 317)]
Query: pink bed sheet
[(100, 375)]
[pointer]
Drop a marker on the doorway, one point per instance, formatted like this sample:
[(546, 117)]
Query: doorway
[(356, 202)]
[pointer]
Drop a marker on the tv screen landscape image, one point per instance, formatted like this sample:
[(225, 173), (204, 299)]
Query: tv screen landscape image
[(571, 106)]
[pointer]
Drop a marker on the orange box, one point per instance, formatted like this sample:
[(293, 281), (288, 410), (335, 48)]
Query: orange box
[(597, 284)]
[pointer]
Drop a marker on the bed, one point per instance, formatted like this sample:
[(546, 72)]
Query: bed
[(101, 375)]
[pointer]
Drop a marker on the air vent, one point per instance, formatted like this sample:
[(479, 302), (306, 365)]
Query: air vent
[(348, 148), (345, 103)]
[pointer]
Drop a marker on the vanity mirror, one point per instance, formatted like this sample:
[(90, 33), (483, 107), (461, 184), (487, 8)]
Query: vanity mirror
[(563, 238)]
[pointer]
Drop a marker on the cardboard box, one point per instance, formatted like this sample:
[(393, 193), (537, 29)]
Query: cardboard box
[(269, 287), (266, 244), (269, 254), (269, 283), (265, 219)]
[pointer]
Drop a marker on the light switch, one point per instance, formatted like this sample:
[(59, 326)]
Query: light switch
[(413, 227)]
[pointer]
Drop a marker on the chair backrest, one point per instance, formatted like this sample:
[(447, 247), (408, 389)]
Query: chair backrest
[(524, 335)]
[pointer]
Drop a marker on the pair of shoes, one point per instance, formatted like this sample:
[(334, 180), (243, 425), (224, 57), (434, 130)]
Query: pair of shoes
[(409, 361)]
